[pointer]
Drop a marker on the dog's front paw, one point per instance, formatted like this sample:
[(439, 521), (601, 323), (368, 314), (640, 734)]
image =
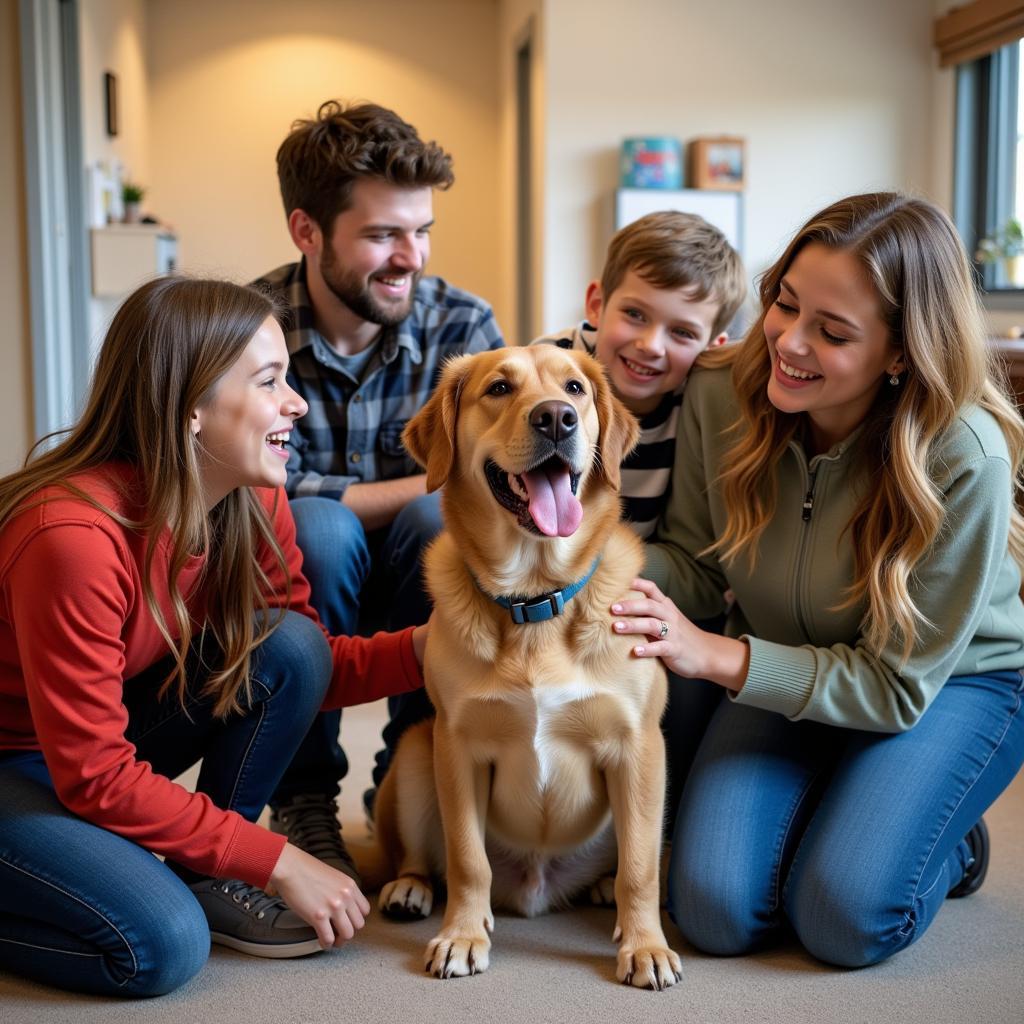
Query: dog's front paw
[(456, 956), (649, 966), (407, 898), (602, 892)]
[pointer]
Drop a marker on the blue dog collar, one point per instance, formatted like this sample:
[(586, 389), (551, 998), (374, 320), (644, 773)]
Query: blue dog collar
[(543, 606)]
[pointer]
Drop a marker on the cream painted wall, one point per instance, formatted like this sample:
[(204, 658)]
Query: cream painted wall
[(227, 79), (943, 120), (833, 97), (112, 38), (15, 347)]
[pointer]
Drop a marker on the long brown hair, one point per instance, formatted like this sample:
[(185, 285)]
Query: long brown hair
[(913, 256), (165, 350)]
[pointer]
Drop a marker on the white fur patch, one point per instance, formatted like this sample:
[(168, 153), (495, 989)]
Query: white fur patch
[(550, 700)]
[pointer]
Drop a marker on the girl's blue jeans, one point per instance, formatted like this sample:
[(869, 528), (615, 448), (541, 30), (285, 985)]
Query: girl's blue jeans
[(91, 911), (850, 839)]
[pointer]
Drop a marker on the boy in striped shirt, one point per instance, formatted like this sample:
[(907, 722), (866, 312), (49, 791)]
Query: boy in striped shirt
[(671, 285)]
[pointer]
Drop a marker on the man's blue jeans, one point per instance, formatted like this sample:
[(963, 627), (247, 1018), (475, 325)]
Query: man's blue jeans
[(360, 584), (851, 839), (91, 911)]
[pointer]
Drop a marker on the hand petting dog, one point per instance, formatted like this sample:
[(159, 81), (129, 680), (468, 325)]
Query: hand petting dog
[(683, 648)]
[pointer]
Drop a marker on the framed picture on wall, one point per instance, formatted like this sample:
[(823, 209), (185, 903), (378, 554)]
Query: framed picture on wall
[(718, 162), (110, 98)]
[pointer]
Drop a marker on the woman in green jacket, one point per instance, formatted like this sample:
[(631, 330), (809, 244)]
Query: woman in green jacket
[(849, 473)]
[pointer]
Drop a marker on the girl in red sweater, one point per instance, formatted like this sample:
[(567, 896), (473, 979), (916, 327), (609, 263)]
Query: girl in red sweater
[(153, 612)]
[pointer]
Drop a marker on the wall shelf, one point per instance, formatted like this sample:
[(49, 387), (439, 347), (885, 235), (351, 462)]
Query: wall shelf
[(125, 255)]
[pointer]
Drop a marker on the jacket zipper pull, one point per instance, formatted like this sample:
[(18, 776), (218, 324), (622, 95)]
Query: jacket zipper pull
[(808, 505)]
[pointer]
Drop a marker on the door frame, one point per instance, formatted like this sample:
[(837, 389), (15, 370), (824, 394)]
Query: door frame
[(58, 258)]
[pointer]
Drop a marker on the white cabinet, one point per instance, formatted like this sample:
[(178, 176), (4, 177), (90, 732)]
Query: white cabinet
[(125, 255), (723, 209)]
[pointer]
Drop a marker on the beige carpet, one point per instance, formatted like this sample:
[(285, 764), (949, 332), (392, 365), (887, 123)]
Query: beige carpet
[(968, 969)]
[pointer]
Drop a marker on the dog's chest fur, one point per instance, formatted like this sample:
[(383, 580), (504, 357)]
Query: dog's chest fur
[(548, 729), (549, 705)]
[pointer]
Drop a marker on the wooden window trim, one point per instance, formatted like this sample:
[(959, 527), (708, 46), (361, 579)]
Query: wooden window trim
[(976, 29)]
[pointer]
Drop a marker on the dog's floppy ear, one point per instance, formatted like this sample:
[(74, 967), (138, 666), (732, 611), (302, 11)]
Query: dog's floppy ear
[(429, 437), (620, 430)]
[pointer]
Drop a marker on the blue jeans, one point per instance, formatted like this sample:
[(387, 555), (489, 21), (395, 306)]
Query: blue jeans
[(851, 839), (91, 911), (690, 705), (360, 583)]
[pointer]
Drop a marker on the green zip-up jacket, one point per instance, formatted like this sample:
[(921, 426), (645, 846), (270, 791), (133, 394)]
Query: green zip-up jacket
[(808, 659)]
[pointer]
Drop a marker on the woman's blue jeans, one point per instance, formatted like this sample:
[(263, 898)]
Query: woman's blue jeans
[(851, 839), (91, 911)]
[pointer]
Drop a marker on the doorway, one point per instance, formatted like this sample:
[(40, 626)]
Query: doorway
[(524, 277)]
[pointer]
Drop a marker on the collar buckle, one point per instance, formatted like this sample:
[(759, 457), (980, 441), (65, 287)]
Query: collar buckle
[(542, 607), (538, 609)]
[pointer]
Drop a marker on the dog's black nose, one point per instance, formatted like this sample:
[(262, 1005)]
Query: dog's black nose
[(555, 420)]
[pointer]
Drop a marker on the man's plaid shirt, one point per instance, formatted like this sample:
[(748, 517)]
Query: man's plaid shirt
[(352, 432)]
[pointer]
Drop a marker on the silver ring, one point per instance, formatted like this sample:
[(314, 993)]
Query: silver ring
[(663, 632)]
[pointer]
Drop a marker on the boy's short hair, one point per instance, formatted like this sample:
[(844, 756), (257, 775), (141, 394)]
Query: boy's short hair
[(678, 250), (321, 159)]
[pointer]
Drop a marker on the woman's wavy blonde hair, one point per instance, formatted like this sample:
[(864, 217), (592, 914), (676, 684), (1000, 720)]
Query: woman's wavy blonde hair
[(912, 254), (166, 349)]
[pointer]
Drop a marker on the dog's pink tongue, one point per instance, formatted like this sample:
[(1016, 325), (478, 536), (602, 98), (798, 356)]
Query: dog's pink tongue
[(555, 509)]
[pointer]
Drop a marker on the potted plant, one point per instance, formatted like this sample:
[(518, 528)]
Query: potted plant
[(131, 196), (1005, 245)]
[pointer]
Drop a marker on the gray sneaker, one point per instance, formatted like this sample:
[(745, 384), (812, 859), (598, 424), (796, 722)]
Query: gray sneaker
[(310, 821), (248, 919)]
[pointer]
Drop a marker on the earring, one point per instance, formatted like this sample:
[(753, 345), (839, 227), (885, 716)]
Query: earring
[(894, 380)]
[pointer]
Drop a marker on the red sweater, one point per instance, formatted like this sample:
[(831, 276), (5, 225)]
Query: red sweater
[(74, 626)]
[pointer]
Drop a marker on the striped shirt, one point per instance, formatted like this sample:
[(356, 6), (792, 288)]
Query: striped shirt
[(647, 470), (352, 432)]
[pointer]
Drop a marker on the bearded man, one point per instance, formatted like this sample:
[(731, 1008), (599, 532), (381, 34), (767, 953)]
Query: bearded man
[(367, 334)]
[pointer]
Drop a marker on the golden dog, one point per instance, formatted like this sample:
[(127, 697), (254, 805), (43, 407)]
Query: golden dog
[(546, 747)]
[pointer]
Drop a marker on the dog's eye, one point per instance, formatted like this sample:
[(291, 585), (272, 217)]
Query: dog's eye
[(499, 387), (574, 387)]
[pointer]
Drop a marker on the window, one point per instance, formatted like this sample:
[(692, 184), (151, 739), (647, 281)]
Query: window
[(989, 157)]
